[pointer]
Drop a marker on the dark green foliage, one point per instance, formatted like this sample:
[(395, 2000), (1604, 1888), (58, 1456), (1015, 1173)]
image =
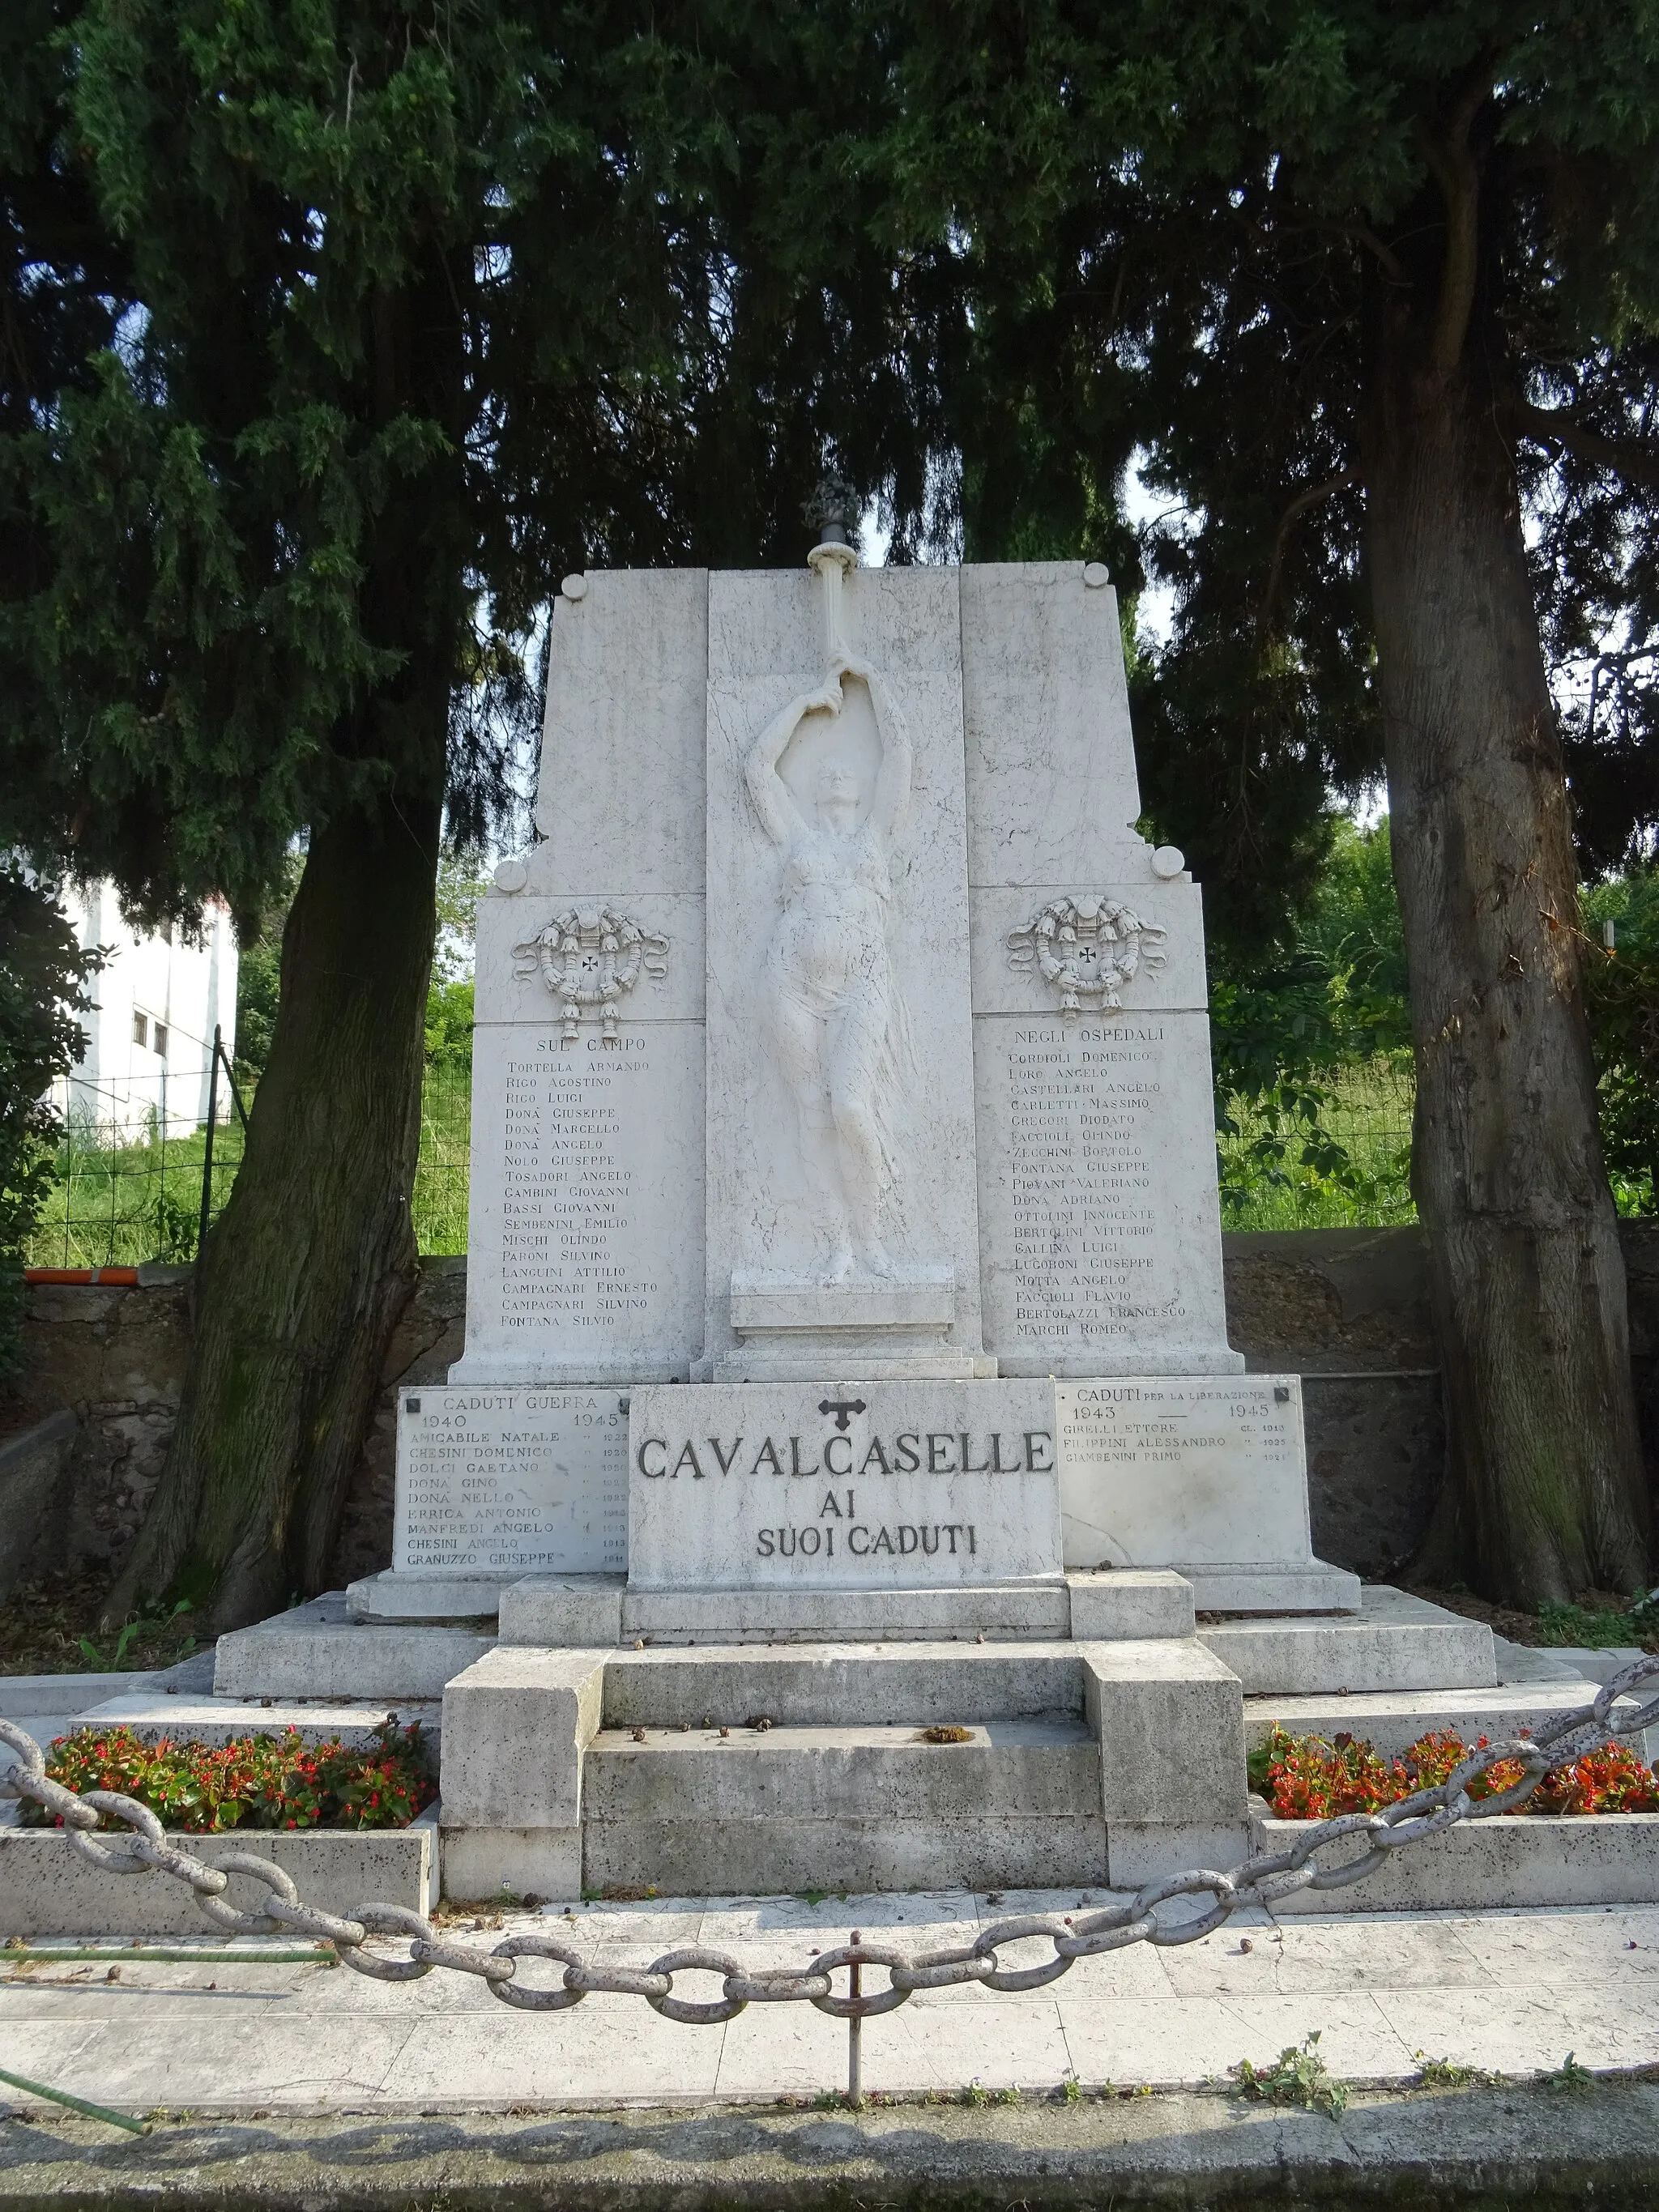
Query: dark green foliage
[(44, 977), (449, 1023), (1283, 1026), (1622, 989)]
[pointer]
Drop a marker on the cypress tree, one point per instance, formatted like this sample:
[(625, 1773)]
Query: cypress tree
[(422, 307), (1368, 285)]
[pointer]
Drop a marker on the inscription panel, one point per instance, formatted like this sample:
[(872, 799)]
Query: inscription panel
[(586, 1209), (1164, 1471), (1100, 1230), (511, 1481), (868, 1485)]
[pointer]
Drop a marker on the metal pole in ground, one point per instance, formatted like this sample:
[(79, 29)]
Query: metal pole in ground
[(854, 2026), (207, 1161)]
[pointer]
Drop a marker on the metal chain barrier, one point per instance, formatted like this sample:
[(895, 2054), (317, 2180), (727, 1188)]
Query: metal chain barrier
[(1266, 1879)]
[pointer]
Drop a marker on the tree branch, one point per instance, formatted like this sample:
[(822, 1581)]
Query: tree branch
[(1458, 175), (1627, 457), (1304, 500)]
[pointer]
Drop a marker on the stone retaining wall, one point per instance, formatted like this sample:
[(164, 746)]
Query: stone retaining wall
[(1346, 1308)]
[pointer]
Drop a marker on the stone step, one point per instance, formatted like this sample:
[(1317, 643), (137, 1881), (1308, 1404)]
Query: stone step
[(1396, 1642), (841, 1686), (215, 1721), (1394, 1720), (550, 1611), (842, 1807)]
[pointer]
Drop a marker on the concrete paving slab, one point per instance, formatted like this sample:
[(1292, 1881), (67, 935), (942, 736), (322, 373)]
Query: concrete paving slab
[(1506, 1990)]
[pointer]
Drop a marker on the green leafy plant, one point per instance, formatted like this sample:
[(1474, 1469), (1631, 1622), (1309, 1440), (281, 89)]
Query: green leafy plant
[(1070, 2090), (1298, 2075), (975, 2094), (1567, 2079), (252, 1781), (1448, 2074), (1597, 1628), (141, 1624)]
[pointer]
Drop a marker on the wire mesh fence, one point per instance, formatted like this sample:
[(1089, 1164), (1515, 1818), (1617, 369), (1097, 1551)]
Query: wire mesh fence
[(445, 1156), (1353, 1170), (134, 1163), (130, 1171)]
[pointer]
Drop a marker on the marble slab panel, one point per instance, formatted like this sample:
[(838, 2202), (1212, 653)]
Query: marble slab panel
[(1053, 796), (510, 1482), (1183, 1471), (1169, 973), (776, 1162), (511, 985), (1100, 1225), (872, 1485), (622, 766), (586, 1220)]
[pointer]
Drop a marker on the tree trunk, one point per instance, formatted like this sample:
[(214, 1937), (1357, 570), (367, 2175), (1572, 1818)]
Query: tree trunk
[(307, 1271), (1546, 1495)]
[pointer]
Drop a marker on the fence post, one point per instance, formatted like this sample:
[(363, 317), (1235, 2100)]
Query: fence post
[(207, 1163)]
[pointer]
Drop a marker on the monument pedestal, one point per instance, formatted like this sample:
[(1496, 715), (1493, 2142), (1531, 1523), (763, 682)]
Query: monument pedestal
[(848, 1444)]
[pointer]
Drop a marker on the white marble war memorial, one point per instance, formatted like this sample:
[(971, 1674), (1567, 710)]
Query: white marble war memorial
[(847, 1483), (844, 1237)]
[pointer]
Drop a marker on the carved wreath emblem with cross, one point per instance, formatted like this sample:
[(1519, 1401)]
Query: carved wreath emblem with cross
[(590, 959), (1087, 949)]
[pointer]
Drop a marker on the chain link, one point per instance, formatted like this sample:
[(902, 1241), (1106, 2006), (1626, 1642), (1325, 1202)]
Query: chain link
[(1266, 1879)]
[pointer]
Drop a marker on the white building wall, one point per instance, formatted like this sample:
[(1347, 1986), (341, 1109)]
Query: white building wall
[(149, 1032)]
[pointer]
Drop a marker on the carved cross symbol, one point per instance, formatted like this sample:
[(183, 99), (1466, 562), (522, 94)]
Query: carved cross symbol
[(842, 1408), (590, 962)]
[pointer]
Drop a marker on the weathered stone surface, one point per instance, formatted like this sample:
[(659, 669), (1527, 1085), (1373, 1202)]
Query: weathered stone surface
[(516, 1723), (1512, 1860), (1168, 1719), (317, 1650), (822, 1487), (509, 1482), (45, 1888), (838, 1808), (1397, 1642)]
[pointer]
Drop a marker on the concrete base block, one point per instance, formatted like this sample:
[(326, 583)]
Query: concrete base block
[(216, 1719), (791, 1808), (1168, 1719), (1140, 1851), (1396, 1643), (392, 1596), (580, 1610), (482, 1864), (1271, 1590), (516, 1723), (318, 1651), (1394, 1720), (1132, 1601), (47, 1889), (842, 1684), (1000, 1614), (1515, 1859)]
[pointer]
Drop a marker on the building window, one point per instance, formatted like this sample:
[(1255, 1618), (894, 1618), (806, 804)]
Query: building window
[(160, 1042), (140, 1028)]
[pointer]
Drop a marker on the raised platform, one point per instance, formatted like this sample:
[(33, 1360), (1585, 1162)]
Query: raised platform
[(811, 1767), (1395, 1642)]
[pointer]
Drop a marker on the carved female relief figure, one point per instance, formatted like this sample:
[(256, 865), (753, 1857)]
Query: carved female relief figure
[(835, 1020)]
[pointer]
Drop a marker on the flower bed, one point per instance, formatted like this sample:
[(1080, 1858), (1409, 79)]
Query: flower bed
[(1306, 1778), (262, 1781)]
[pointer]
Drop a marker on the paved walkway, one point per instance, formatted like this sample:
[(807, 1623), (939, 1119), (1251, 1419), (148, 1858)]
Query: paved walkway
[(1512, 1992)]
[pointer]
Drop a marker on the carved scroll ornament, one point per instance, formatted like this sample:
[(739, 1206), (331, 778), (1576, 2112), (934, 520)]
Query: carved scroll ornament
[(1087, 950), (590, 959)]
